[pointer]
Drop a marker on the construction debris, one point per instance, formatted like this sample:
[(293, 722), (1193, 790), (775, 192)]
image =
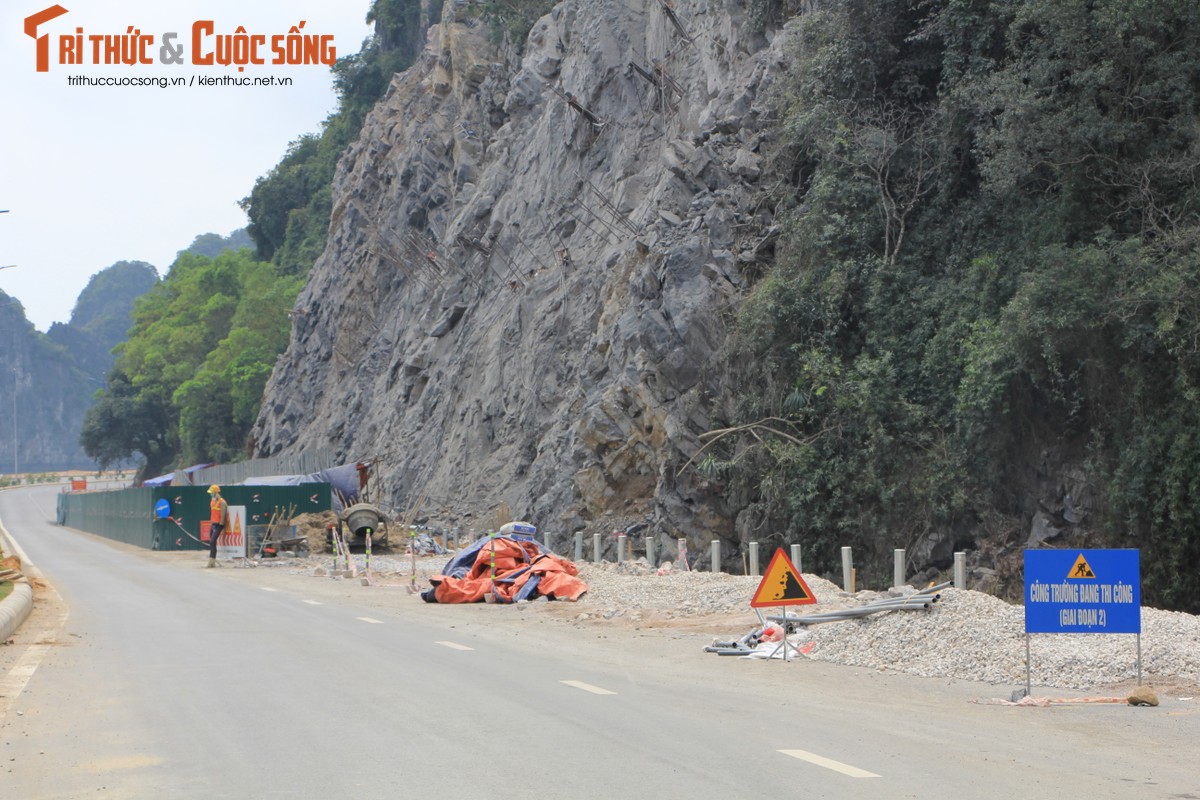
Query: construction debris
[(775, 628), (503, 569), (917, 601)]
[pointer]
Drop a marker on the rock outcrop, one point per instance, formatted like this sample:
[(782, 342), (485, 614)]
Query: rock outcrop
[(532, 266)]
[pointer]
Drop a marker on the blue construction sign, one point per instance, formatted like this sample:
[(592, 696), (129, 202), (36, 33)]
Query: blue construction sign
[(1082, 591)]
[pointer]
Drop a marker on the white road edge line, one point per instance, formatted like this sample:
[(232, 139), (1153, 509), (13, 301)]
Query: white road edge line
[(587, 687), (370, 620), (829, 763), (454, 645)]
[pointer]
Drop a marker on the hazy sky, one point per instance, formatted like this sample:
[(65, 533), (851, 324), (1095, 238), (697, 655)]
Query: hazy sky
[(92, 175)]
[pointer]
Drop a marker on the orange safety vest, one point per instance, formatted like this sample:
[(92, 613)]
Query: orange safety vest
[(217, 506)]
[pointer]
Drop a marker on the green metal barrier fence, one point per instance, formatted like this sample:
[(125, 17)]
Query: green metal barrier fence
[(128, 515)]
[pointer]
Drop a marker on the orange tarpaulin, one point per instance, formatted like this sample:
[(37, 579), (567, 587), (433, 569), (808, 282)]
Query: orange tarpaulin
[(505, 567)]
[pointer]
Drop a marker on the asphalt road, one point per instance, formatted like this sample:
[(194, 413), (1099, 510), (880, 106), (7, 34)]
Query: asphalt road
[(154, 678)]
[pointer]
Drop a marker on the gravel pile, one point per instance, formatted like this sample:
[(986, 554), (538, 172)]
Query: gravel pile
[(966, 635)]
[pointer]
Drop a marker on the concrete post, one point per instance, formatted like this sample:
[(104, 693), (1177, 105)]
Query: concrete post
[(960, 570), (716, 555), (595, 548), (650, 554), (578, 546), (848, 569), (796, 558), (621, 548), (898, 568), (754, 559)]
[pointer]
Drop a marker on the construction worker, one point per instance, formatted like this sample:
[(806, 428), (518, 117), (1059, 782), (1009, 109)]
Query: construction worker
[(219, 517)]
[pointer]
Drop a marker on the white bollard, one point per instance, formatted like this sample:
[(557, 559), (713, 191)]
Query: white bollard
[(681, 557), (960, 570), (578, 546), (595, 548), (848, 570), (796, 558), (650, 554), (621, 548), (897, 568), (754, 559), (716, 555)]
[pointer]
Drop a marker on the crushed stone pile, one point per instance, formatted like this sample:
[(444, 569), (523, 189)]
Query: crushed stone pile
[(965, 635)]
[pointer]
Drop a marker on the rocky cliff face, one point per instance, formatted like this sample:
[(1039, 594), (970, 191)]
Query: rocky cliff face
[(55, 375), (532, 264), (43, 397)]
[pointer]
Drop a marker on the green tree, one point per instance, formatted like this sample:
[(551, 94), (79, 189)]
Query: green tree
[(988, 270), (192, 372), (289, 207)]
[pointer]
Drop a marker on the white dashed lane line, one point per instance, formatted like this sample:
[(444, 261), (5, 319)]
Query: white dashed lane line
[(829, 763), (587, 687), (313, 602), (370, 620), (454, 645)]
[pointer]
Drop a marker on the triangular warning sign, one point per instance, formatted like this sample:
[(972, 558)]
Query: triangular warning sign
[(1081, 569), (781, 585)]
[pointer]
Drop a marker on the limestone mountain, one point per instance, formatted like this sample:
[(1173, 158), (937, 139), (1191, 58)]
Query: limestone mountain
[(531, 265), (47, 379)]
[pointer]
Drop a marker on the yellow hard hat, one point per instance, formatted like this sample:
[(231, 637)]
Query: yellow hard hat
[(214, 489)]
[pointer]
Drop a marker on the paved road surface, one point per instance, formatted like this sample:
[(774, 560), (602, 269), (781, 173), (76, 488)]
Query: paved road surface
[(157, 679)]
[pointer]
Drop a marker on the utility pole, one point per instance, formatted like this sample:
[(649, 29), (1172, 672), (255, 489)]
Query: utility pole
[(6, 266), (16, 470), (16, 465)]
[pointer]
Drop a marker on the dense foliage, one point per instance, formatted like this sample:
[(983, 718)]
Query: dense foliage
[(187, 383), (987, 296), (509, 21), (289, 207)]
